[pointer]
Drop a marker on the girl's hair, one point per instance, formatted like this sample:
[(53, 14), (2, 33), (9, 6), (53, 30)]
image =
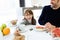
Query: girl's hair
[(30, 12)]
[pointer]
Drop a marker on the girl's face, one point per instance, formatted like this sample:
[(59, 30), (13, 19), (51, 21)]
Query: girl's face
[(28, 16)]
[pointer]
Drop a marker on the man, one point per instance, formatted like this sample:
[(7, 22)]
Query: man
[(51, 15)]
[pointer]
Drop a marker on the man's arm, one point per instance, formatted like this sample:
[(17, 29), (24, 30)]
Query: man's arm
[(42, 18)]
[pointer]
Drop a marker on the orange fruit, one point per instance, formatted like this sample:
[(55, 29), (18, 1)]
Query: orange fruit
[(6, 31)]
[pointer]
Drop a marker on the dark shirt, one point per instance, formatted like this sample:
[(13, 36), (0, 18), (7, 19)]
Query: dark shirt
[(50, 15)]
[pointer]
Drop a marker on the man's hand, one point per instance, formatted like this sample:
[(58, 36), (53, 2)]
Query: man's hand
[(49, 27)]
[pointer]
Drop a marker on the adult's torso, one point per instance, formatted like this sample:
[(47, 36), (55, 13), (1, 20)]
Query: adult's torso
[(53, 16)]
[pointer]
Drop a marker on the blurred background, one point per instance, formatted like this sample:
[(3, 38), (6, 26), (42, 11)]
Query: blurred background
[(14, 9)]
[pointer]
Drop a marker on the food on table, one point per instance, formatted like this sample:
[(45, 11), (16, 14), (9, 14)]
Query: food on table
[(17, 33), (13, 22), (18, 36), (22, 37), (39, 27), (56, 32), (6, 31), (3, 26)]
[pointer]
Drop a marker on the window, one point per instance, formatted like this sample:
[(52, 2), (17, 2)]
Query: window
[(8, 10)]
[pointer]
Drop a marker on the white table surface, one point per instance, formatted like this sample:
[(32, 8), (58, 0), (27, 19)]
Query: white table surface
[(30, 35), (34, 35), (1, 36)]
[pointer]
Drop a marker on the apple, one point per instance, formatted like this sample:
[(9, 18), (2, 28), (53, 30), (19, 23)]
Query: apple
[(3, 26)]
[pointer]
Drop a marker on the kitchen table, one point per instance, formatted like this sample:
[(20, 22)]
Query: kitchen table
[(30, 34)]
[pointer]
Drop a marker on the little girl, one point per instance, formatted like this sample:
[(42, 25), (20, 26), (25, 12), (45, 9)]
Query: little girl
[(29, 18)]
